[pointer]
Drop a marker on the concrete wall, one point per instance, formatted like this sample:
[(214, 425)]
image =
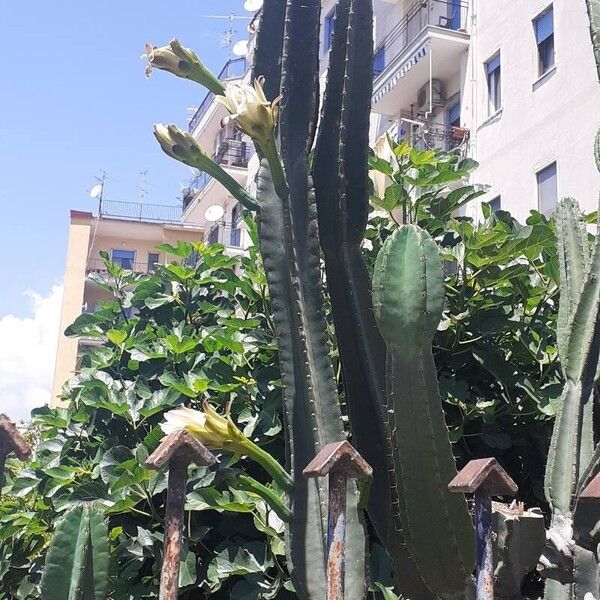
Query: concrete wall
[(74, 282)]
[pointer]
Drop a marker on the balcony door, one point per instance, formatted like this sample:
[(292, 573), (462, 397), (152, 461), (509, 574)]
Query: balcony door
[(124, 258)]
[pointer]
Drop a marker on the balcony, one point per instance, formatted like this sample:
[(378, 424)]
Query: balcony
[(442, 137), (231, 152), (227, 235), (233, 69), (427, 42), (96, 265), (138, 211)]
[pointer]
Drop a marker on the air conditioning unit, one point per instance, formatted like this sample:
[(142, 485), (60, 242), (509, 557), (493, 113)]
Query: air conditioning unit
[(430, 95)]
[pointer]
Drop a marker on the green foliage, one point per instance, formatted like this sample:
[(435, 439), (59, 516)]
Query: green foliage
[(77, 560), (495, 347), (194, 328)]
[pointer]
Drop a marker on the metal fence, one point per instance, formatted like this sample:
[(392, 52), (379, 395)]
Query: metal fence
[(97, 265), (440, 136), (138, 211), (450, 14), (233, 69)]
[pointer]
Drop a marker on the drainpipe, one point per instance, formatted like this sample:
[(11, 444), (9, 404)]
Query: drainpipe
[(430, 111)]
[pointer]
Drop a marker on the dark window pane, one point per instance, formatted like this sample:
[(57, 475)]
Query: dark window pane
[(124, 258), (547, 189)]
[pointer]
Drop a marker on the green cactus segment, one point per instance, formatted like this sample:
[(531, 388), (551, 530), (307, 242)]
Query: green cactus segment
[(574, 259), (311, 409), (269, 46), (593, 7), (597, 150), (577, 359), (78, 558), (408, 289), (341, 180), (408, 298)]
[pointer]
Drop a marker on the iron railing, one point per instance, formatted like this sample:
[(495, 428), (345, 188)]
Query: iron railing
[(440, 137), (447, 14), (224, 233), (138, 211), (97, 265), (232, 153), (233, 69)]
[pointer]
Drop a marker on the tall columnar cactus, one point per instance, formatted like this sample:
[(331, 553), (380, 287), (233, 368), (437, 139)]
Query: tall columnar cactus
[(78, 558), (572, 456), (408, 298), (340, 172)]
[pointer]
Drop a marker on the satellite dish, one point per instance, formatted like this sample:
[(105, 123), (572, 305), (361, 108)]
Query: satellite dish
[(240, 48), (214, 213), (253, 5), (96, 191)]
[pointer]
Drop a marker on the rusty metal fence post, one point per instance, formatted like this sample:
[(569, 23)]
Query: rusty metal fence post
[(11, 442), (484, 478), (178, 450), (339, 461)]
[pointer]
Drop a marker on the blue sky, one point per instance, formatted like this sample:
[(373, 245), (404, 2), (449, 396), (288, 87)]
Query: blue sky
[(73, 101)]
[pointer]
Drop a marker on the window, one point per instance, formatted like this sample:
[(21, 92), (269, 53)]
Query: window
[(453, 115), (379, 62), (328, 30), (495, 203), (124, 258), (492, 68), (235, 237), (455, 16), (547, 189), (152, 261), (544, 37)]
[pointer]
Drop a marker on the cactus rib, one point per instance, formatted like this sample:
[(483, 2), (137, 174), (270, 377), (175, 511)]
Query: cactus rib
[(77, 560), (408, 299), (311, 409)]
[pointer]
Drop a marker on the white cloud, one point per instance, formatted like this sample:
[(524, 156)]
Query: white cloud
[(27, 354)]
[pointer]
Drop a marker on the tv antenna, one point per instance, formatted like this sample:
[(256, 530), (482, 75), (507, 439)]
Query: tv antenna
[(141, 186), (97, 191), (228, 37)]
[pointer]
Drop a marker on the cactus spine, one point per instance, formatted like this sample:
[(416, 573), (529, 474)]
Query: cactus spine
[(408, 298), (77, 560)]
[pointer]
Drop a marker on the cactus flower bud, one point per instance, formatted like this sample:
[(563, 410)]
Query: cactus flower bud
[(221, 433), (180, 145), (250, 110), (182, 62)]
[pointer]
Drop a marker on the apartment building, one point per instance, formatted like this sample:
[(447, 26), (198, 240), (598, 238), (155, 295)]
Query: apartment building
[(510, 83), (129, 232)]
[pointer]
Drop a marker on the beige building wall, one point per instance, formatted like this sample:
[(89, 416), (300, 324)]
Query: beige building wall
[(74, 283), (88, 236)]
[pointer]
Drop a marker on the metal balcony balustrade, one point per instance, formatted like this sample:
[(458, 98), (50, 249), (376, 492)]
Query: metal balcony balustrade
[(233, 69), (446, 14), (225, 234), (97, 265), (231, 152), (138, 211), (439, 137)]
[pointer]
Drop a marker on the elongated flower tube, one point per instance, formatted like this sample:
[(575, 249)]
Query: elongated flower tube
[(183, 147), (221, 433), (182, 62)]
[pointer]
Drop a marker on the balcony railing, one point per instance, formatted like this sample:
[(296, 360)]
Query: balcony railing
[(224, 233), (440, 136), (97, 265), (232, 153), (233, 69), (450, 14), (137, 211)]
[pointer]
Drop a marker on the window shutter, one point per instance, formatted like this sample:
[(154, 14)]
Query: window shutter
[(544, 26), (454, 113)]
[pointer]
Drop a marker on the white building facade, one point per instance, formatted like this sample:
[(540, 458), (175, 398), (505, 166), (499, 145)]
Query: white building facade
[(511, 84)]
